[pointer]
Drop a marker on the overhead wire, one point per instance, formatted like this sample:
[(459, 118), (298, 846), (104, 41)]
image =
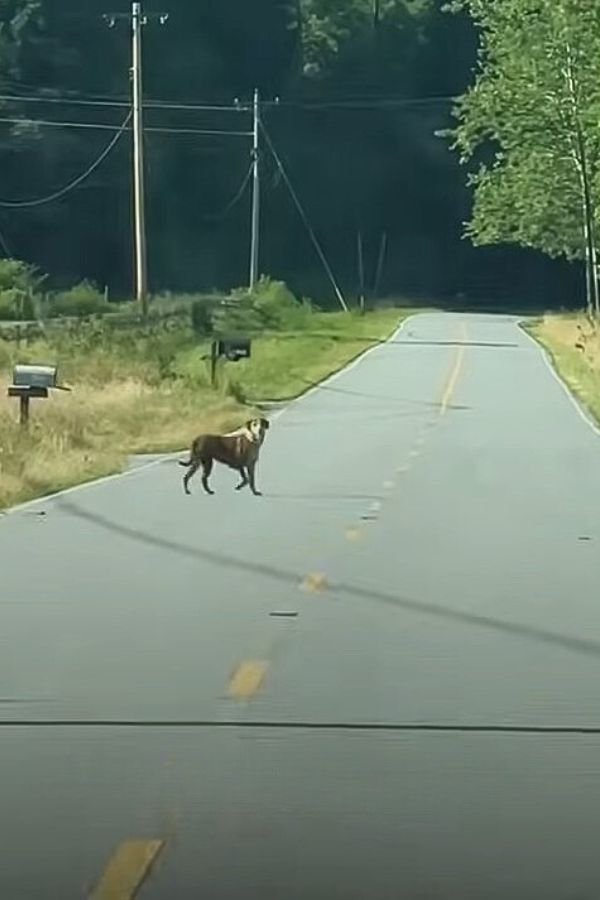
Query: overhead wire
[(366, 103), (56, 195), (235, 200), (304, 217), (104, 126), (123, 103)]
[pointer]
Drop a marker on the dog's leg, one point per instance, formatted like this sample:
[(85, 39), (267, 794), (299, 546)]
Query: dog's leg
[(251, 469), (194, 466), (207, 467), (244, 480)]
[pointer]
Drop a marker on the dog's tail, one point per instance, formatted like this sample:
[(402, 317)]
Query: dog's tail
[(186, 463)]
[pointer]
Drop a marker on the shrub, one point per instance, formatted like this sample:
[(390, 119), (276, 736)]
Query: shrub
[(83, 299), (16, 305), (270, 306), (18, 275), (19, 283), (202, 320)]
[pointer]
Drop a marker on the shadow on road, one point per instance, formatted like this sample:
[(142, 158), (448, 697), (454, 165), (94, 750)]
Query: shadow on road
[(362, 497), (401, 342), (416, 343), (579, 645), (426, 404)]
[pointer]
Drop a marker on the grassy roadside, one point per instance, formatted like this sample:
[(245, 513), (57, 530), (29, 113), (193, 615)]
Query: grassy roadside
[(580, 369), (136, 394)]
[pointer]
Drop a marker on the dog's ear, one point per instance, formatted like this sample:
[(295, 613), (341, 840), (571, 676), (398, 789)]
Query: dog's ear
[(249, 424), (266, 424)]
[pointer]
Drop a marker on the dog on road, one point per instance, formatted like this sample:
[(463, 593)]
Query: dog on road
[(239, 450)]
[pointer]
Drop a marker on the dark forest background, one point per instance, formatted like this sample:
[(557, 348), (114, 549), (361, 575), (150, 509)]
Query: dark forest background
[(361, 96)]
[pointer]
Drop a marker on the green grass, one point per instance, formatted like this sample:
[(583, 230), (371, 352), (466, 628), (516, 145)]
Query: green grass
[(579, 369), (144, 393), (284, 364)]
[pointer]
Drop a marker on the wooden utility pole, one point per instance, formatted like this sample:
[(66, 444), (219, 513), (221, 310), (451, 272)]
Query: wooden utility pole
[(139, 186), (137, 19), (255, 235)]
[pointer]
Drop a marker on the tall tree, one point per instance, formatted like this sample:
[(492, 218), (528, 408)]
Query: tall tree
[(16, 16), (369, 42), (530, 124)]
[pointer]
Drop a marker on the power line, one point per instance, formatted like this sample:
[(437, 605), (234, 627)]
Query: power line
[(365, 105), (56, 195), (304, 218), (349, 103), (102, 126), (123, 103), (236, 199), (63, 101), (197, 107), (215, 132), (98, 126)]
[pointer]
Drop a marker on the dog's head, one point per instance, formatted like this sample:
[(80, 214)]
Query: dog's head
[(257, 429)]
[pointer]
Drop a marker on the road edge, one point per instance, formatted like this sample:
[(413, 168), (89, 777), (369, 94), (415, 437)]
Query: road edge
[(169, 457), (550, 363)]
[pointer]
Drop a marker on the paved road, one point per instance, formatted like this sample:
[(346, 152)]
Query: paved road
[(431, 530)]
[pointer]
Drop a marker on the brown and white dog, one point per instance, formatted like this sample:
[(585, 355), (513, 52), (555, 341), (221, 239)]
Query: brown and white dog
[(239, 450)]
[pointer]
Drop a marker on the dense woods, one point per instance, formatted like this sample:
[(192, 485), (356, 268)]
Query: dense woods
[(366, 90)]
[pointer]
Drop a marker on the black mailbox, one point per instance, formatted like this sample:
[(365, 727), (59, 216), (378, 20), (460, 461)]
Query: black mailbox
[(234, 349)]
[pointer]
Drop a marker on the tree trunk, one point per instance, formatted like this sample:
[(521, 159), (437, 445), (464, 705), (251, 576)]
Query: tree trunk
[(589, 276), (595, 283), (582, 163)]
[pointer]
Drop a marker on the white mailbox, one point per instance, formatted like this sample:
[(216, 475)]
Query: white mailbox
[(32, 382), (35, 377)]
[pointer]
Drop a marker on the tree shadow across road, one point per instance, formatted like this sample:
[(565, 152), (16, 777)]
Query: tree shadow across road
[(575, 644)]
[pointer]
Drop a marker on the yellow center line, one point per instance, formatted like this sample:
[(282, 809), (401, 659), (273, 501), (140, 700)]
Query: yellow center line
[(247, 679), (455, 374), (127, 869)]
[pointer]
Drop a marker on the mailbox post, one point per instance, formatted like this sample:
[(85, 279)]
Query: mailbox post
[(32, 382), (232, 349)]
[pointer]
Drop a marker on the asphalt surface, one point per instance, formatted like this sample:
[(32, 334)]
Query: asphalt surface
[(379, 680)]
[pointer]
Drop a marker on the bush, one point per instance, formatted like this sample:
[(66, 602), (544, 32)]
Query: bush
[(18, 275), (16, 305), (83, 299), (202, 320), (270, 306), (19, 283)]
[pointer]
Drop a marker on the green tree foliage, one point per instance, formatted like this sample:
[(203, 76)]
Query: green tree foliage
[(371, 164), (368, 39), (530, 127), (16, 19), (19, 285)]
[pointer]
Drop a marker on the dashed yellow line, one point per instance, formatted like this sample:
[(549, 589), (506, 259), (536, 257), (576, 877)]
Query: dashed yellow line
[(247, 679), (455, 374), (353, 534), (127, 869)]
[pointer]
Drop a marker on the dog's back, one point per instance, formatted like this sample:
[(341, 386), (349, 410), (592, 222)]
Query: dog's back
[(229, 450), (238, 450)]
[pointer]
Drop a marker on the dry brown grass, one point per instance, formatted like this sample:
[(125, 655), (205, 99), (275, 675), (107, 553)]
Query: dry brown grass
[(80, 436), (578, 366), (155, 397)]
